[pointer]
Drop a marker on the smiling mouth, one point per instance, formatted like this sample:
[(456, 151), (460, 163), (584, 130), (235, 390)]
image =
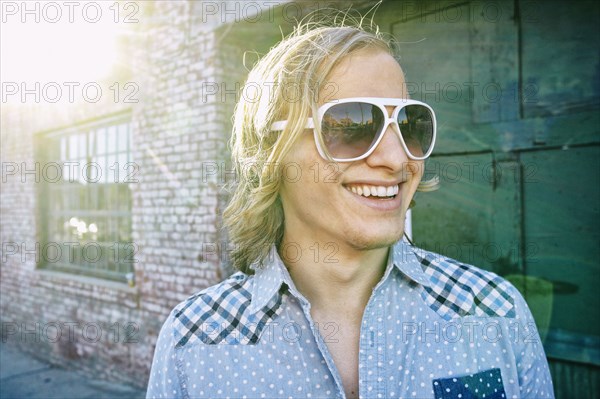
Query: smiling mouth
[(376, 192)]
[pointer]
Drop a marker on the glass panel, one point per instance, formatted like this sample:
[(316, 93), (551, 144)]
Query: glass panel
[(126, 257), (100, 264), (63, 148), (111, 196), (73, 197), (112, 170), (102, 229), (101, 141), (112, 232), (82, 140), (124, 197), (124, 229), (93, 196), (101, 197), (101, 161), (55, 200), (66, 172), (92, 143), (73, 147), (73, 208), (123, 135), (112, 139), (124, 171), (130, 142), (78, 168), (56, 227), (93, 254), (71, 254), (83, 198), (93, 229)]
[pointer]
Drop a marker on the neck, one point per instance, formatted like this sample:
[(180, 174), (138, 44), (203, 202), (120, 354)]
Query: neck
[(333, 278)]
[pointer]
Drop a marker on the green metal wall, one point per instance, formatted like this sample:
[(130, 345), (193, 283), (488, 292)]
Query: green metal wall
[(516, 89)]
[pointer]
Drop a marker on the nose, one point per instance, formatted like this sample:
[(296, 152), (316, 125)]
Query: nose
[(389, 152)]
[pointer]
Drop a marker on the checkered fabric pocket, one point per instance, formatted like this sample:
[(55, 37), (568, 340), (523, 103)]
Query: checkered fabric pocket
[(461, 290), (220, 315)]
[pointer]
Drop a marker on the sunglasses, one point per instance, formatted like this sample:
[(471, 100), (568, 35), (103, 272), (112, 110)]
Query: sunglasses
[(351, 128)]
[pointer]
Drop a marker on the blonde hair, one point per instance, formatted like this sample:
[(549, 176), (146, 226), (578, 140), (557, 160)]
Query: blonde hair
[(302, 62)]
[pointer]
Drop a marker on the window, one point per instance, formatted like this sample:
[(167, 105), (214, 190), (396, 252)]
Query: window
[(85, 200)]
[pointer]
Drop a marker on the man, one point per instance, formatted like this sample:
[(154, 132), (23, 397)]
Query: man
[(329, 302)]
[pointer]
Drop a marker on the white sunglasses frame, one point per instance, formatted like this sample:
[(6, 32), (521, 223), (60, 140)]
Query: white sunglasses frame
[(381, 103)]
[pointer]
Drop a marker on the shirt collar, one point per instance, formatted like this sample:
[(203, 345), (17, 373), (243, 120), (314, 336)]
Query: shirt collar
[(402, 256), (268, 279), (273, 273)]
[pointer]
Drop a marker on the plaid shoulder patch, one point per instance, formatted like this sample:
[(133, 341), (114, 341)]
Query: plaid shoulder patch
[(458, 289), (219, 315)]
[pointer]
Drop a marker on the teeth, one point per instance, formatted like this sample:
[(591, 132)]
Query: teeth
[(375, 191)]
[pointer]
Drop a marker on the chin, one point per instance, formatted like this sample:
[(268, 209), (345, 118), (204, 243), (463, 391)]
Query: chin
[(367, 240)]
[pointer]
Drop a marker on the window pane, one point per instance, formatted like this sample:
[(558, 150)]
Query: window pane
[(73, 147), (55, 200), (92, 206), (92, 143), (124, 229), (66, 173), (124, 197), (63, 148), (73, 198), (102, 230), (82, 140), (123, 135), (112, 170), (101, 197), (101, 141), (101, 161), (93, 229), (80, 173), (130, 142), (113, 196), (112, 139), (124, 171)]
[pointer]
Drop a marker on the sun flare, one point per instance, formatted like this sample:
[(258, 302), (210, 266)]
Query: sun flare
[(40, 44)]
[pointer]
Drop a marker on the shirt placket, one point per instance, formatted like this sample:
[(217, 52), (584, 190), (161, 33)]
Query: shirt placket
[(324, 351), (371, 351)]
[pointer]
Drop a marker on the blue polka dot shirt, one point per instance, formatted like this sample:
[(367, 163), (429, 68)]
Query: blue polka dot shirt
[(433, 328)]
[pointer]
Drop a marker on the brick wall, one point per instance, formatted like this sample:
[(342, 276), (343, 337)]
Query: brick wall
[(177, 134)]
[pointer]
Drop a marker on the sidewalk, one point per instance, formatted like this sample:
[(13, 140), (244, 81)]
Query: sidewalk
[(23, 376)]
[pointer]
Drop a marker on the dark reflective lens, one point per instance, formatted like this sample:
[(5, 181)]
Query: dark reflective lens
[(416, 126), (351, 129)]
